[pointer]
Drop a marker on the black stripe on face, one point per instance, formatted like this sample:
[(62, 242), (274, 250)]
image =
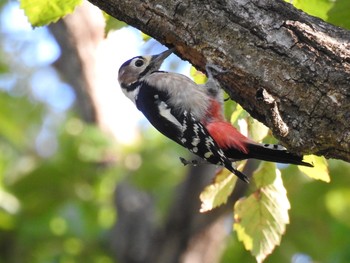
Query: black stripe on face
[(152, 66), (148, 69), (131, 87)]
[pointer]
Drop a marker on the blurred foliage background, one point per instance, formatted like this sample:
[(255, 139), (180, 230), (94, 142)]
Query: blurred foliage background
[(58, 174)]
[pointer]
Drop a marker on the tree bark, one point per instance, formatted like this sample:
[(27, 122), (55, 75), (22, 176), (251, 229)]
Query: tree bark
[(287, 69)]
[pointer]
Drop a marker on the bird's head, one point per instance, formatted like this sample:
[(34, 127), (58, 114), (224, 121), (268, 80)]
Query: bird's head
[(138, 67)]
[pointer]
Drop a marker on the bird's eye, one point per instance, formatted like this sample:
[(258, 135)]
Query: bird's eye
[(139, 63)]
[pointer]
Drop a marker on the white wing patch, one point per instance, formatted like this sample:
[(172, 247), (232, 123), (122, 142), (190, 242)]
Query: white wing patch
[(164, 111)]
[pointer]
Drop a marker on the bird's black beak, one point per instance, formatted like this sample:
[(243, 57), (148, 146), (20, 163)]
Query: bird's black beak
[(157, 60)]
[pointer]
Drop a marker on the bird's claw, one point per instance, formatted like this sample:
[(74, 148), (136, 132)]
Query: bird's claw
[(192, 162), (213, 69), (188, 162)]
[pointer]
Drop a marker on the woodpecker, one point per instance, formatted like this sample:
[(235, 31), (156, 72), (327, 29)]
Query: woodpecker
[(192, 114)]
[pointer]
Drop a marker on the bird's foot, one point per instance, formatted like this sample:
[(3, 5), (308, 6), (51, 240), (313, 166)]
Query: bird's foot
[(192, 162), (214, 70)]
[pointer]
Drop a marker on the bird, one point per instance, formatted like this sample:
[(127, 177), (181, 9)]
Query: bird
[(192, 114)]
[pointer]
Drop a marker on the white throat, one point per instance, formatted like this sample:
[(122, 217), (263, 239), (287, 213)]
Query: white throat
[(132, 95)]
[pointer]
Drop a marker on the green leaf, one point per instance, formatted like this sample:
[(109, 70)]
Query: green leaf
[(317, 8), (265, 175), (338, 204), (218, 192), (238, 113), (257, 130), (333, 11), (16, 124), (319, 171), (339, 13), (44, 12), (112, 23), (261, 218)]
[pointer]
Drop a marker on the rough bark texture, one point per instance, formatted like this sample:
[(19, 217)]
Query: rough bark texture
[(289, 70)]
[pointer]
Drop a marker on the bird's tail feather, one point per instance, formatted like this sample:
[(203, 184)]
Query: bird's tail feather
[(274, 153)]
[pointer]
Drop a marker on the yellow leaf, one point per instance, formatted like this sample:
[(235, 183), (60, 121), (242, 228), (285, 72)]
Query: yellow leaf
[(238, 113), (319, 171), (257, 130), (261, 218), (44, 12), (265, 174), (218, 192), (198, 76), (145, 37)]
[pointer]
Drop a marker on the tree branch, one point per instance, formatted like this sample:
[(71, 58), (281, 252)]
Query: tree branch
[(302, 62), (78, 36)]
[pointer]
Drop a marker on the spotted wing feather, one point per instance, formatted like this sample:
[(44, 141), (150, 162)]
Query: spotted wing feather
[(197, 139), (181, 127)]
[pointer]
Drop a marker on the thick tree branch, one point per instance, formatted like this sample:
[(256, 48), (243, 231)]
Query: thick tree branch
[(302, 63)]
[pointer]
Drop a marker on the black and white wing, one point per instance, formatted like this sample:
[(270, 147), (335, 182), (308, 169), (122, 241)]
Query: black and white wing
[(153, 104), (197, 139), (181, 126)]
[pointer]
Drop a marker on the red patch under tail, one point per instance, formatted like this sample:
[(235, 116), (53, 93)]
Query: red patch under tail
[(227, 136)]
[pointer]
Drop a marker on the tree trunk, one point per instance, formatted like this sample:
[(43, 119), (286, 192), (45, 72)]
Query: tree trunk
[(287, 69), (78, 36)]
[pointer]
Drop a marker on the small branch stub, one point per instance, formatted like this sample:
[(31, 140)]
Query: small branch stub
[(277, 120)]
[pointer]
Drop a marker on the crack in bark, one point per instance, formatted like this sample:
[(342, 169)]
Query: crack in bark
[(308, 35)]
